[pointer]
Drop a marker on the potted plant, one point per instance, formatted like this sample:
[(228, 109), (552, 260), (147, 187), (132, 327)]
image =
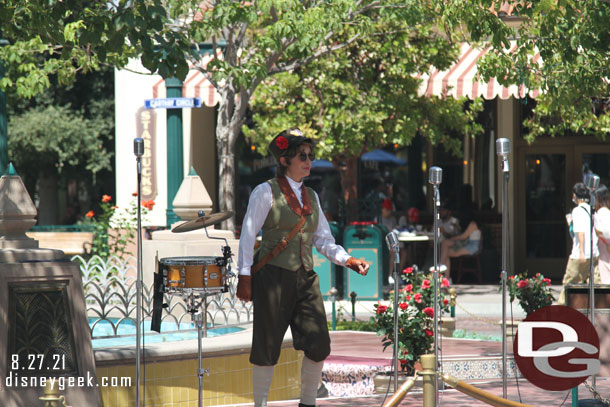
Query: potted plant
[(415, 318), (533, 293)]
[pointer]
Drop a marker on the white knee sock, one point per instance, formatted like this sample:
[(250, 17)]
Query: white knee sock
[(261, 381), (310, 380)]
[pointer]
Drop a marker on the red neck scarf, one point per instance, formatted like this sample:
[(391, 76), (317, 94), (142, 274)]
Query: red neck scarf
[(292, 199)]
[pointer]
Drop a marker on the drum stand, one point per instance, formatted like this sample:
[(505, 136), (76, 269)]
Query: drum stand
[(194, 308)]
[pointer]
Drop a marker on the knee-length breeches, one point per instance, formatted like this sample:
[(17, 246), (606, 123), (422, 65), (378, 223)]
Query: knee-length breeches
[(281, 299)]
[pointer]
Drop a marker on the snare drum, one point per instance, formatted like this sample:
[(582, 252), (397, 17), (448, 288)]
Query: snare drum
[(204, 273)]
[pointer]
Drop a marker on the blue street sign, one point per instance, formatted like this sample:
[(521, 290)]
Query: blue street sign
[(172, 103)]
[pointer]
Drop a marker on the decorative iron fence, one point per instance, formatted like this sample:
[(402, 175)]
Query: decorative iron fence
[(110, 297)]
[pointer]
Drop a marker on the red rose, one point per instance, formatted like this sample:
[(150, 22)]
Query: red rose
[(413, 214), (408, 297), (523, 283), (106, 198), (445, 282), (408, 270), (282, 142), (429, 332), (417, 298), (134, 194), (148, 204), (425, 284), (429, 311), (409, 288), (547, 281), (445, 301), (404, 306), (381, 309), (90, 214)]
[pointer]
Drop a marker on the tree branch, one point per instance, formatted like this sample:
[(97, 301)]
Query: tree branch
[(323, 51)]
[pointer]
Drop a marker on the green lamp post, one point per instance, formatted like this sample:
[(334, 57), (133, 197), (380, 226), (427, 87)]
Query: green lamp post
[(175, 161)]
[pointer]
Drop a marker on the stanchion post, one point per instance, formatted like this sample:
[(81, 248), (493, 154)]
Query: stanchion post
[(428, 364)]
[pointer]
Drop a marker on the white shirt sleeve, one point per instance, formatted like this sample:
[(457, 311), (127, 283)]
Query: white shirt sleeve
[(324, 241), (602, 222), (259, 205)]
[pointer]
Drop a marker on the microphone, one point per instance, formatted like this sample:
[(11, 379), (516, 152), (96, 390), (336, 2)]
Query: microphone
[(592, 182), (138, 147), (435, 175), (503, 147), (391, 240)]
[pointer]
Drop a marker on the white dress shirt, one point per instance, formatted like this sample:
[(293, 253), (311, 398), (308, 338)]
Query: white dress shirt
[(259, 205)]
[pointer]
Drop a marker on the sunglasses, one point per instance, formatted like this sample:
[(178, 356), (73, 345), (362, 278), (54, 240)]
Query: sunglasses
[(303, 156)]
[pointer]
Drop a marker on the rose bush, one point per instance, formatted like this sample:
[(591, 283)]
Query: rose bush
[(533, 293), (415, 317), (114, 230)]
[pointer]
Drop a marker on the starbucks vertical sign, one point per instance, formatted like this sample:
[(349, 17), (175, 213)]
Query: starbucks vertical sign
[(145, 128)]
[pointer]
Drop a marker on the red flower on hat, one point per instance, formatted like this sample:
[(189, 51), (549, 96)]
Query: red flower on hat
[(282, 142)]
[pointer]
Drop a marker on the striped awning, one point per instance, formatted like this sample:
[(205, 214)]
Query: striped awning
[(462, 79), (195, 85)]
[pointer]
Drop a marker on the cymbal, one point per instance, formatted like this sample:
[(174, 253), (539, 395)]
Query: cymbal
[(203, 221)]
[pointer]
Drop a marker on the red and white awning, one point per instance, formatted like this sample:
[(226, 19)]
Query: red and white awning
[(462, 80), (195, 85)]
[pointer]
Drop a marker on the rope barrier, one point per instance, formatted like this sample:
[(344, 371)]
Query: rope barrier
[(479, 394), (401, 392)]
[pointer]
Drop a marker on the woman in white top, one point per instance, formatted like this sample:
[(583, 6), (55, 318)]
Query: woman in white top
[(466, 243), (601, 222)]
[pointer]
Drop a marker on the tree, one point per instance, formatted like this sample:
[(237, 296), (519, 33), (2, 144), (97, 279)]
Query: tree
[(574, 44), (364, 96), (263, 39), (49, 38)]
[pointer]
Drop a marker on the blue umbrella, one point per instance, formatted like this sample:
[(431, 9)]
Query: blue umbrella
[(382, 156), (322, 165)]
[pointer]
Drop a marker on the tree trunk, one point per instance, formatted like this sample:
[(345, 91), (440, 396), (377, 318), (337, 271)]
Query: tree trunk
[(231, 116), (226, 175), (349, 186)]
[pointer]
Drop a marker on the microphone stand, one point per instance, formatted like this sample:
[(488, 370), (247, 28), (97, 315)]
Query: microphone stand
[(506, 173), (437, 204), (139, 278), (591, 270)]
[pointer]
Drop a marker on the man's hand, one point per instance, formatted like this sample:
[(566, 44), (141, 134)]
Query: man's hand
[(359, 266), (244, 288)]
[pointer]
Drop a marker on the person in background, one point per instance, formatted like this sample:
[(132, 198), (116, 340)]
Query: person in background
[(387, 215), (601, 222), (448, 224), (577, 268), (466, 243), (279, 279)]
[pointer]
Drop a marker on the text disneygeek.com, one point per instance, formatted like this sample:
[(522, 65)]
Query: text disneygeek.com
[(62, 382)]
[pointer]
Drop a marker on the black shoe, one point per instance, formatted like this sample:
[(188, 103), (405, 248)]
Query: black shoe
[(306, 405)]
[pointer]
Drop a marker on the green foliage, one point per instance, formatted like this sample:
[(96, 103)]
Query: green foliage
[(362, 326), (50, 139), (415, 317), (574, 44), (364, 96), (114, 231), (62, 38), (533, 293)]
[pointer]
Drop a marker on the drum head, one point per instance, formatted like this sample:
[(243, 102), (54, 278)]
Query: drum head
[(189, 260)]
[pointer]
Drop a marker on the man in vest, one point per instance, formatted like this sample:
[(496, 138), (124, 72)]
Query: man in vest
[(280, 279)]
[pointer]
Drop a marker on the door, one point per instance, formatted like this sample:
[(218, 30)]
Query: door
[(544, 182)]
